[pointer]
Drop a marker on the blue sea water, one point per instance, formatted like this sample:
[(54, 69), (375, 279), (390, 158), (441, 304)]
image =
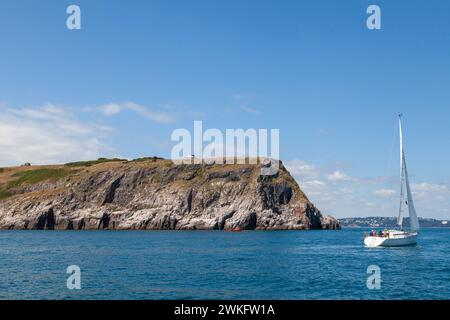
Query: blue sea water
[(220, 265)]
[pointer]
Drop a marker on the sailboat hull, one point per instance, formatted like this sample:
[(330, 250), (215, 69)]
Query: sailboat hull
[(394, 239), (399, 238)]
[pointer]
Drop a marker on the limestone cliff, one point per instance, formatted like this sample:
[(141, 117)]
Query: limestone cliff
[(153, 193)]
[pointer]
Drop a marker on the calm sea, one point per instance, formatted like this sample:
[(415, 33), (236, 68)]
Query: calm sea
[(220, 265)]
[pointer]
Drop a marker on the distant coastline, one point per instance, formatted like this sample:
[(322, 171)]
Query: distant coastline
[(389, 222)]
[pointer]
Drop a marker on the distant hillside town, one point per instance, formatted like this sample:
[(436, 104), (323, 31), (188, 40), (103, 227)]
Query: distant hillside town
[(389, 222)]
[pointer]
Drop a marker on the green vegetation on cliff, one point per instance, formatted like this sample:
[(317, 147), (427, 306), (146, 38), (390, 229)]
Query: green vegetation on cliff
[(30, 177), (93, 162)]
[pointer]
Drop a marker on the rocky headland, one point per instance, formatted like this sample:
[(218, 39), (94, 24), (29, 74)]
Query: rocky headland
[(154, 194)]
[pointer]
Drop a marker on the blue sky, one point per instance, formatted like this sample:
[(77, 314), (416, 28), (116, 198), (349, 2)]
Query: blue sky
[(138, 70)]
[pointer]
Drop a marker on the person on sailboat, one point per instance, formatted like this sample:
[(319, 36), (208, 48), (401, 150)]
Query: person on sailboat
[(398, 236)]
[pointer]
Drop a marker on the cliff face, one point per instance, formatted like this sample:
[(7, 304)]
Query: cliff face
[(154, 194)]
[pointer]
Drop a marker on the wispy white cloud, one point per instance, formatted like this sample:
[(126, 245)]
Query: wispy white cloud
[(384, 192), (242, 108), (302, 169), (428, 187), (339, 176), (148, 113), (338, 193), (313, 184), (250, 110), (111, 109), (48, 134), (431, 193), (243, 102)]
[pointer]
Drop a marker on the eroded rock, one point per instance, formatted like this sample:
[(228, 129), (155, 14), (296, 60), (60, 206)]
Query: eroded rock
[(161, 195)]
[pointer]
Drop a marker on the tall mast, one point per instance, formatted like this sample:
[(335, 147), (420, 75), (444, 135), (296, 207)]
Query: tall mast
[(402, 174)]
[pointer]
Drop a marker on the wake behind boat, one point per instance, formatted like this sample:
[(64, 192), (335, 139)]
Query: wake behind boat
[(399, 237)]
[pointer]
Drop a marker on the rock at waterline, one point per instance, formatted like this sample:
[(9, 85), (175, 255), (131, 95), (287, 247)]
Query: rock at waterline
[(154, 194)]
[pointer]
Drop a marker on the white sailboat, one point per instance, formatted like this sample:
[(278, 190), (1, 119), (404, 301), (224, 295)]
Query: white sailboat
[(399, 237)]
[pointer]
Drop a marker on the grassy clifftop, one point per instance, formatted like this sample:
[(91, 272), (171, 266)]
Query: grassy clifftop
[(13, 179), (19, 180), (154, 193)]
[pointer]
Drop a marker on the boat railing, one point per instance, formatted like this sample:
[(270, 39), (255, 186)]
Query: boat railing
[(371, 234)]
